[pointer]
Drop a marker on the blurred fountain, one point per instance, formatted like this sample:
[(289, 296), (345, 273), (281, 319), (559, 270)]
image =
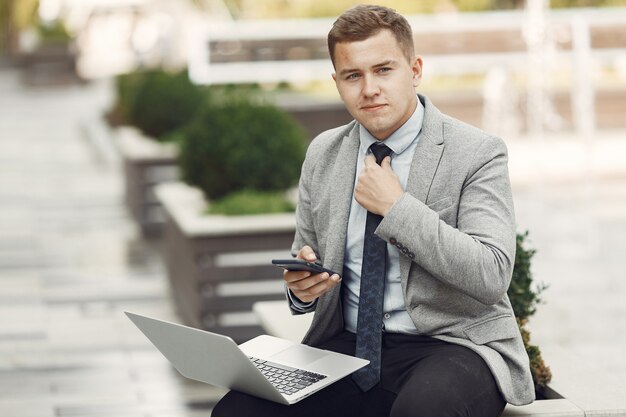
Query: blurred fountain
[(500, 115), (541, 48), (562, 156), (583, 101)]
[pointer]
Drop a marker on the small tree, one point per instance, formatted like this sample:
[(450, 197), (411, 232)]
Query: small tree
[(524, 299)]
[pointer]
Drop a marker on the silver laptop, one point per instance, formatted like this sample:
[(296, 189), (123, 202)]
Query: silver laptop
[(267, 367)]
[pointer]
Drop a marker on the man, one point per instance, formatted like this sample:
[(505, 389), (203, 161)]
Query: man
[(429, 307)]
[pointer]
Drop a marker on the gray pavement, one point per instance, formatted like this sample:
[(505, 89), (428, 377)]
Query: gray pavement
[(579, 231), (71, 261), (70, 264)]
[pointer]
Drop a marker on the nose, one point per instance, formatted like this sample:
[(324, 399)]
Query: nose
[(370, 86)]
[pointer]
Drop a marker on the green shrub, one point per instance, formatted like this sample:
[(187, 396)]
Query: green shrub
[(240, 144), (126, 88), (53, 32), (156, 101), (524, 299), (164, 102), (252, 202), (540, 371)]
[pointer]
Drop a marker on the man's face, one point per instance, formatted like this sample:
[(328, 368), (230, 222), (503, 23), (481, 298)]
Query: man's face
[(377, 83)]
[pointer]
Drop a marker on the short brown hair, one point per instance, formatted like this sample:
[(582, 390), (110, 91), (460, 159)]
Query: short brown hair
[(363, 21)]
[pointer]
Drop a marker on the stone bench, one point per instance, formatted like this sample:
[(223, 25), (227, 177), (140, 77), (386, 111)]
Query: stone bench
[(576, 389)]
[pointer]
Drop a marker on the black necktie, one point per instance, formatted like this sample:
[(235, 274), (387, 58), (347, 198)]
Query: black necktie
[(369, 321)]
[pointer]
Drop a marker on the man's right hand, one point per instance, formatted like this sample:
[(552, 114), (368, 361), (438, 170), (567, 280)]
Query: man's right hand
[(306, 285)]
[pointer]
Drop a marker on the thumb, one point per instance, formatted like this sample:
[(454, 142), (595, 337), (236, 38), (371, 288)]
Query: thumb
[(307, 254), (386, 163)]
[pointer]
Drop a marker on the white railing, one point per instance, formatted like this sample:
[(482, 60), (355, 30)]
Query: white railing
[(294, 50)]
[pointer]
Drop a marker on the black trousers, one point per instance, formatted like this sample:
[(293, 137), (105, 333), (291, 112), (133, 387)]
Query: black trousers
[(420, 377)]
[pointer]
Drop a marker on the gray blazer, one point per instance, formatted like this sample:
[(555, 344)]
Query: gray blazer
[(455, 225)]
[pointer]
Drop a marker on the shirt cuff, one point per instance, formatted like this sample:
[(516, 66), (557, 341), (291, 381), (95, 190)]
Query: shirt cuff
[(299, 305)]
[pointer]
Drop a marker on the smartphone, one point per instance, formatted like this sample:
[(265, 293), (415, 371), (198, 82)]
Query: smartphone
[(301, 265)]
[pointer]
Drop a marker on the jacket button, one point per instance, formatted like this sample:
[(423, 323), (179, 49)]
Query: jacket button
[(393, 240)]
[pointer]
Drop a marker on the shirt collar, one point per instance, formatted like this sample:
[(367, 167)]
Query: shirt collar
[(402, 138)]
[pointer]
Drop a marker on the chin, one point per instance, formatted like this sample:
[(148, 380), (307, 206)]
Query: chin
[(377, 130), (375, 125)]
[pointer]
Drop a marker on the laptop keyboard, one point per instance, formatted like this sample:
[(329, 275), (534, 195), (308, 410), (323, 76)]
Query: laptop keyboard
[(287, 380)]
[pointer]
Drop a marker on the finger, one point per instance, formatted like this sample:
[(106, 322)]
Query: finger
[(314, 281), (307, 254), (308, 282), (370, 160), (314, 292), (292, 276)]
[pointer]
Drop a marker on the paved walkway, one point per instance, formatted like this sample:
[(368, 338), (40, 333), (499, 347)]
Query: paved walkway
[(579, 231), (71, 262)]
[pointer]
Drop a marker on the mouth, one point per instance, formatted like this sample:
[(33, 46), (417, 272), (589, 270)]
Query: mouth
[(372, 107)]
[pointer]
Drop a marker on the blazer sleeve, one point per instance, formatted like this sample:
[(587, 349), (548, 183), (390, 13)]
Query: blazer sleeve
[(305, 230), (477, 256)]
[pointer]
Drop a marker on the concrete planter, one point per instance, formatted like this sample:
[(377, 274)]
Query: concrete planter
[(147, 163), (219, 266)]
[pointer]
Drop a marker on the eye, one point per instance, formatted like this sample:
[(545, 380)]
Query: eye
[(384, 69), (352, 76)]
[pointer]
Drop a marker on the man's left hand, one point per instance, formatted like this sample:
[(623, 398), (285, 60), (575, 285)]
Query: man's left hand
[(378, 187)]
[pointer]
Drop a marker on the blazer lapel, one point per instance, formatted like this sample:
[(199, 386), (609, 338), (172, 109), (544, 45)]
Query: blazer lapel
[(425, 162), (343, 174), (344, 171)]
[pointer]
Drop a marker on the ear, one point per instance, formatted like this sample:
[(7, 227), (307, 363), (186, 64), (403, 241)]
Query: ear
[(416, 67), (334, 75)]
